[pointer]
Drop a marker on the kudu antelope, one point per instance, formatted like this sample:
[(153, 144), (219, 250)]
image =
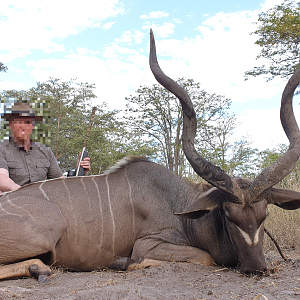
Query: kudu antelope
[(85, 223)]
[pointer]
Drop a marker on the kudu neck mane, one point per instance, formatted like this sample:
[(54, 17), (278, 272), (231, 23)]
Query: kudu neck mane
[(124, 162)]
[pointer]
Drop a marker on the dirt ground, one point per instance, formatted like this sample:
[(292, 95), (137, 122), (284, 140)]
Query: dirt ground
[(171, 281)]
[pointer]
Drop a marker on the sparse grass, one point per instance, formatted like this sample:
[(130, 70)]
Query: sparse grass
[(284, 225)]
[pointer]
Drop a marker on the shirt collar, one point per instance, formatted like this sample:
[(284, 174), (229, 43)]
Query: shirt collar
[(20, 148)]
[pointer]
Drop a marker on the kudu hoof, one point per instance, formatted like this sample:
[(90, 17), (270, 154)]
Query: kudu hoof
[(37, 272), (121, 264)]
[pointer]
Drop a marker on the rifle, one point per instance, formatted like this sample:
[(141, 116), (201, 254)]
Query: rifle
[(84, 153)]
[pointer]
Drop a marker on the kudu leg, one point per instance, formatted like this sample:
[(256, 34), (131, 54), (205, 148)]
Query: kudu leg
[(128, 264), (29, 228), (166, 252), (32, 267)]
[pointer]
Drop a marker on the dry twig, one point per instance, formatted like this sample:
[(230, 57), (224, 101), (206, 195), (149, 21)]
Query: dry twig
[(276, 244)]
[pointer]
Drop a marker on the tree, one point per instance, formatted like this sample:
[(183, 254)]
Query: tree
[(243, 159), (156, 114), (269, 156), (68, 118), (279, 38), (67, 105), (2, 67), (213, 140), (110, 140)]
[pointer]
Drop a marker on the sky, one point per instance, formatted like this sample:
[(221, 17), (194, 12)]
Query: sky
[(107, 43)]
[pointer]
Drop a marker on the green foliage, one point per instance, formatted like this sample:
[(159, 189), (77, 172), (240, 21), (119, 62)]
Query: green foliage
[(110, 140), (152, 126), (153, 115), (2, 67), (70, 107), (279, 39), (243, 159), (69, 112), (271, 155)]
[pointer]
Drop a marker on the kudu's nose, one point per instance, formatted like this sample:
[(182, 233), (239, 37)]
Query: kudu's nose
[(253, 268)]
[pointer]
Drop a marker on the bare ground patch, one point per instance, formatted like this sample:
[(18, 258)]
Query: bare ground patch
[(171, 281)]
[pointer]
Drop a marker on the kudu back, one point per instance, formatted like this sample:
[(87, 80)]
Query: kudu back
[(141, 211)]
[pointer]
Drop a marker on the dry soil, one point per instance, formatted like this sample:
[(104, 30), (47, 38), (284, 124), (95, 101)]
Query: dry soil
[(171, 281)]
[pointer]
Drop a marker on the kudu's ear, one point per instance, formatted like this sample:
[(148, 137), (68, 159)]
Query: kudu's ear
[(284, 198), (208, 201)]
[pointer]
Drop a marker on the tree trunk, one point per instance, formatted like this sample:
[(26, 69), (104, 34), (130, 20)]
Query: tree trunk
[(57, 138)]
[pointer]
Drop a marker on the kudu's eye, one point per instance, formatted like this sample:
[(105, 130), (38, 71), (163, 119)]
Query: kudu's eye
[(228, 219), (227, 216)]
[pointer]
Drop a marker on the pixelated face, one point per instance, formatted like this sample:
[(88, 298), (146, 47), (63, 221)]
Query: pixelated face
[(21, 127)]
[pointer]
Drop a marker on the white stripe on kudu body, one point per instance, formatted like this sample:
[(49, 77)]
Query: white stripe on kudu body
[(84, 188), (9, 202), (22, 208), (248, 238), (112, 216), (132, 206), (5, 211), (72, 211), (43, 192), (101, 212)]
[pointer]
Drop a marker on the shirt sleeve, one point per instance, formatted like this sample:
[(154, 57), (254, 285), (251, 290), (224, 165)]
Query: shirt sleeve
[(3, 161), (54, 170)]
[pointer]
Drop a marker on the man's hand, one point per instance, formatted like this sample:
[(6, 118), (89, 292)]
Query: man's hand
[(6, 184), (85, 163)]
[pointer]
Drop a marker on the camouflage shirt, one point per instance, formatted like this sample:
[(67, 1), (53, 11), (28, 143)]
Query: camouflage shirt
[(24, 167)]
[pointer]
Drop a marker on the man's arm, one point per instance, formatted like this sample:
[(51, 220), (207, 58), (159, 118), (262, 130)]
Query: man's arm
[(6, 184), (54, 170)]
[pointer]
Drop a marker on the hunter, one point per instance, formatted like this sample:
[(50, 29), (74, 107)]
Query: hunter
[(23, 161)]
